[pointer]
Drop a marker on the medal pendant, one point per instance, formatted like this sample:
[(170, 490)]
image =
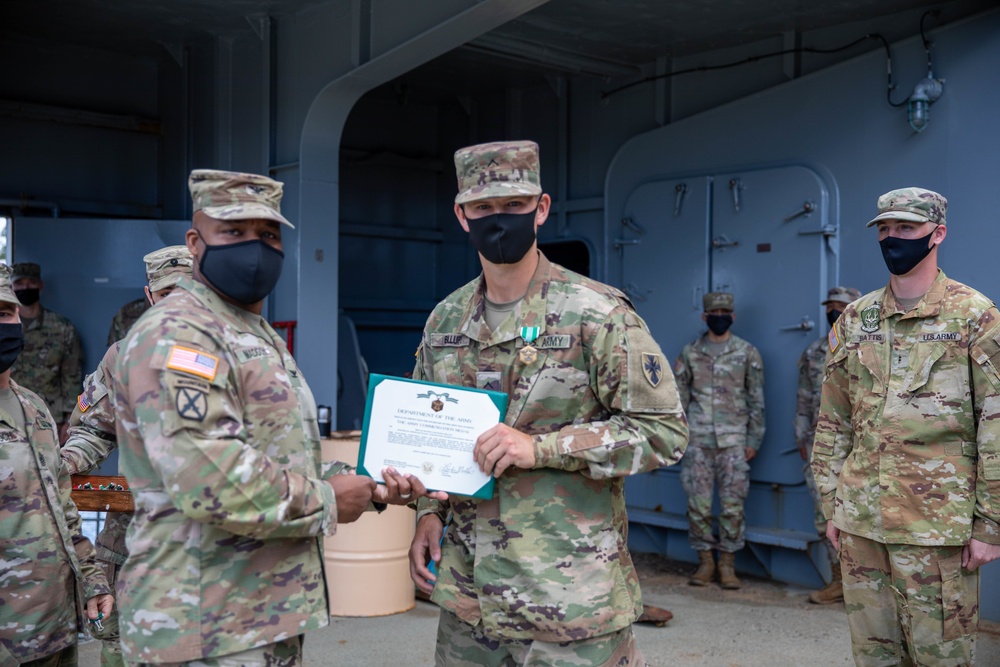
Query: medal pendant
[(527, 355)]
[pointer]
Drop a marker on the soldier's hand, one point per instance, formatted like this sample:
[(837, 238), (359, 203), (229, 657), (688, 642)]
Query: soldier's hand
[(353, 492), (426, 547), (103, 604), (750, 453), (400, 489), (63, 432), (833, 534), (502, 447), (977, 553)]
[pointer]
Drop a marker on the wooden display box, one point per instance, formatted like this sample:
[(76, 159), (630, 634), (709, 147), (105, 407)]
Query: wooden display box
[(95, 500)]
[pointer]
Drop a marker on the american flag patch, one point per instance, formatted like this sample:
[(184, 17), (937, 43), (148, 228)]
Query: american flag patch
[(186, 360), (83, 402)]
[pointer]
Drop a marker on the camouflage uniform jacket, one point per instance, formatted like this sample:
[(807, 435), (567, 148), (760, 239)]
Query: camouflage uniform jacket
[(546, 558), (47, 568), (907, 446), (90, 441), (51, 363), (218, 438), (812, 365), (126, 316), (723, 396)]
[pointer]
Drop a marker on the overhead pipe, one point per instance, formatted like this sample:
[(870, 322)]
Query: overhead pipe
[(24, 204)]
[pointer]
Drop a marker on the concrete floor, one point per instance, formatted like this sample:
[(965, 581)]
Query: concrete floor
[(763, 624)]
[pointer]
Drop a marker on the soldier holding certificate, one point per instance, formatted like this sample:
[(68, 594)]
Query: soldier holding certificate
[(540, 571)]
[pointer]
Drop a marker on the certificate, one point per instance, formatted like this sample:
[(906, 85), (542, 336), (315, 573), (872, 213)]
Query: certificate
[(428, 430)]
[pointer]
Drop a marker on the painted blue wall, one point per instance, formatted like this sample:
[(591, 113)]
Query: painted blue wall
[(838, 118)]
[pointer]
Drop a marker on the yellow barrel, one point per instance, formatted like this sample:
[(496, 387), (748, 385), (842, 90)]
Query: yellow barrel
[(367, 562)]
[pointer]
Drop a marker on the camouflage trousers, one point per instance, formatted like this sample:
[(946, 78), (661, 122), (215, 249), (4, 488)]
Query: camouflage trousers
[(287, 653), (64, 658), (701, 469), (462, 645), (111, 555), (909, 604)]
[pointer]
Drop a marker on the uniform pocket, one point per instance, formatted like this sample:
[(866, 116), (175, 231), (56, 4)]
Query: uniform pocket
[(959, 598)]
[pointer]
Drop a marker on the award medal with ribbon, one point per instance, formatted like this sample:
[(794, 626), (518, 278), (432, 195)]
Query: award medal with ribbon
[(528, 354)]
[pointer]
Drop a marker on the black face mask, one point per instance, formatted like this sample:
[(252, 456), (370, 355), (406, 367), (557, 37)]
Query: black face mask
[(832, 315), (503, 238), (27, 297), (11, 344), (719, 324), (902, 255), (246, 272)]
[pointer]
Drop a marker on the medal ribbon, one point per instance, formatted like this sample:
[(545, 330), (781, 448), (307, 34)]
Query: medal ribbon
[(529, 334)]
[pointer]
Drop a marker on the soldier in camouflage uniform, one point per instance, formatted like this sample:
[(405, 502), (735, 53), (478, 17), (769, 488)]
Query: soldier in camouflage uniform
[(721, 381), (218, 438), (812, 365), (92, 436), (126, 316), (908, 445), (540, 573), (51, 364), (47, 567)]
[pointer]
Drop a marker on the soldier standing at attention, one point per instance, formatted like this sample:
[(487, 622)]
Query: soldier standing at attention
[(812, 365), (721, 381), (51, 364), (218, 438), (540, 573), (92, 436), (47, 568), (907, 447)]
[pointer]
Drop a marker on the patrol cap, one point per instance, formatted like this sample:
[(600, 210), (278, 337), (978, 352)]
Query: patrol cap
[(498, 169), (913, 204), (6, 289), (26, 270), (842, 295), (718, 301), (166, 266), (231, 195)]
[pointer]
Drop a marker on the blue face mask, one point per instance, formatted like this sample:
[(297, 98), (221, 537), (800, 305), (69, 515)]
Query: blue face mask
[(902, 255), (246, 272), (11, 344), (719, 324)]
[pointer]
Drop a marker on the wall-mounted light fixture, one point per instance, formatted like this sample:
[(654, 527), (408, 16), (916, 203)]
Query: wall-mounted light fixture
[(927, 91)]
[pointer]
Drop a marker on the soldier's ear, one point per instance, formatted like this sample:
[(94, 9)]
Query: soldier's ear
[(460, 214), (149, 296)]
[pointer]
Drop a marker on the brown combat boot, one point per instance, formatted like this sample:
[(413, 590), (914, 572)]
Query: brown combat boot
[(727, 571), (706, 570), (832, 592)]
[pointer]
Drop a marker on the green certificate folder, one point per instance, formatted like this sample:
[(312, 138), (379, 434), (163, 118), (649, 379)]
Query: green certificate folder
[(429, 430)]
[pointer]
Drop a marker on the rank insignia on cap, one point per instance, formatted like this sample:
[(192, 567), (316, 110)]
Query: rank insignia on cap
[(191, 403), (186, 360), (652, 369), (83, 402)]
